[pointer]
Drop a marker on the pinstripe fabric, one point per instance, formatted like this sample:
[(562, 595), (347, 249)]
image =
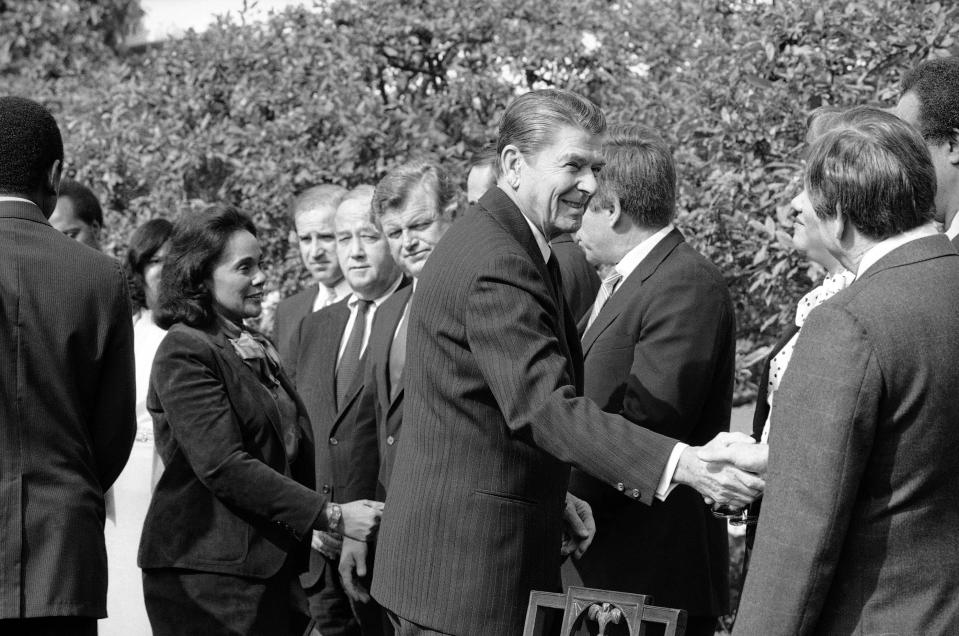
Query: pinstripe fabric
[(66, 414), (661, 352), (492, 420), (858, 529)]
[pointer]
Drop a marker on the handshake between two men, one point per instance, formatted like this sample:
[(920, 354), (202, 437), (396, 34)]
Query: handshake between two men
[(727, 471)]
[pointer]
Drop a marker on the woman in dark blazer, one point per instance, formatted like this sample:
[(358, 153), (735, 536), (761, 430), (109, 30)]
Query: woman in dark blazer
[(231, 519)]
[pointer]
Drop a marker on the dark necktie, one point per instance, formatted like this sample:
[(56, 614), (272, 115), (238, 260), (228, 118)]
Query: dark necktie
[(556, 278), (398, 354), (350, 361)]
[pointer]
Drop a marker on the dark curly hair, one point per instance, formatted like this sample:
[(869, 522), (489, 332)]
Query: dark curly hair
[(86, 207), (197, 243), (29, 144), (144, 244)]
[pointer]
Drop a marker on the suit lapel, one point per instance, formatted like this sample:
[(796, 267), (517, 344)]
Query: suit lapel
[(321, 353), (507, 215), (357, 383), (630, 287), (394, 397), (248, 377)]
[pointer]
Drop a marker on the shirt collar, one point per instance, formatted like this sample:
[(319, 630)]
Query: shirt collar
[(638, 254), (953, 230), (377, 301), (883, 247), (338, 291), (541, 241), (9, 199)]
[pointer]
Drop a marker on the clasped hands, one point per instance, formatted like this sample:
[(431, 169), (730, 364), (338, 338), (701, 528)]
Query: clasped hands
[(728, 470), (359, 523)]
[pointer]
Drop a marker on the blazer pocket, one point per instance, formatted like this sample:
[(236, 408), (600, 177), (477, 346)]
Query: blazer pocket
[(506, 497)]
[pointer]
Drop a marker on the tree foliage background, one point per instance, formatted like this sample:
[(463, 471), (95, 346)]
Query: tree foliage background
[(252, 113)]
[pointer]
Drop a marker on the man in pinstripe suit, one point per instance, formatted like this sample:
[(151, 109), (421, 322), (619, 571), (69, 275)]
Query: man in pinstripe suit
[(493, 415), (66, 392)]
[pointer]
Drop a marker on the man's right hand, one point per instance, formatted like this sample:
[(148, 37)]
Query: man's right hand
[(328, 544), (353, 568), (719, 482), (361, 518)]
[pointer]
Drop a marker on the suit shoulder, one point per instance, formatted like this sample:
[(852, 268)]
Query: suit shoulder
[(297, 300), (316, 319), (183, 337)]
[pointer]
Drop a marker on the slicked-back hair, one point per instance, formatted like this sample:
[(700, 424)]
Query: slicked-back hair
[(325, 194), (820, 121), (936, 84), (483, 158), (394, 189), (875, 170), (86, 207), (531, 120), (196, 245), (640, 173), (29, 144), (144, 244), (363, 192)]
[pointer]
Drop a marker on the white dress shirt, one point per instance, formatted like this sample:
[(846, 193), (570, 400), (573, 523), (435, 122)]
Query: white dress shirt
[(326, 296), (369, 318), (953, 231)]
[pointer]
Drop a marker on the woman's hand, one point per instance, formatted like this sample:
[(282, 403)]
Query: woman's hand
[(361, 518)]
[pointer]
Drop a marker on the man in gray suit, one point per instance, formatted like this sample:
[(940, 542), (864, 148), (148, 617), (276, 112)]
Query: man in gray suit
[(66, 392), (930, 102), (858, 531)]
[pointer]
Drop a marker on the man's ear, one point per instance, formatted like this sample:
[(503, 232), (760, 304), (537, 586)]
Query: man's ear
[(53, 176), (615, 213), (952, 147), (840, 227), (294, 237), (512, 162)]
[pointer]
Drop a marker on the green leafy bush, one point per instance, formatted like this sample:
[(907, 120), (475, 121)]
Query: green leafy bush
[(252, 113)]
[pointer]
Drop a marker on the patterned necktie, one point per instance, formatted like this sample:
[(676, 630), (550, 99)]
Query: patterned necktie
[(350, 360), (605, 291), (398, 354)]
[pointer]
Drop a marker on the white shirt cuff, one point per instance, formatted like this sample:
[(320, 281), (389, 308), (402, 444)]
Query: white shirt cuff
[(665, 483)]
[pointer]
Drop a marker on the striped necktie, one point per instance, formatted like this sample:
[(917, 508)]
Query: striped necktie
[(350, 361), (605, 291)]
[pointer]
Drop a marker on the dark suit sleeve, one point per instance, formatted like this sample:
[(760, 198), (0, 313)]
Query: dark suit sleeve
[(821, 434), (114, 417), (190, 390), (687, 333), (511, 332)]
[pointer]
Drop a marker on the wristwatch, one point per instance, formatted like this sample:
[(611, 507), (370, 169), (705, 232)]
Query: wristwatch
[(334, 517)]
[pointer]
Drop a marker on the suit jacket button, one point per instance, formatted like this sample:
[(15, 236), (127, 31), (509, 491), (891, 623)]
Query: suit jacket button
[(635, 494), (620, 487), (390, 440), (333, 441), (326, 489)]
